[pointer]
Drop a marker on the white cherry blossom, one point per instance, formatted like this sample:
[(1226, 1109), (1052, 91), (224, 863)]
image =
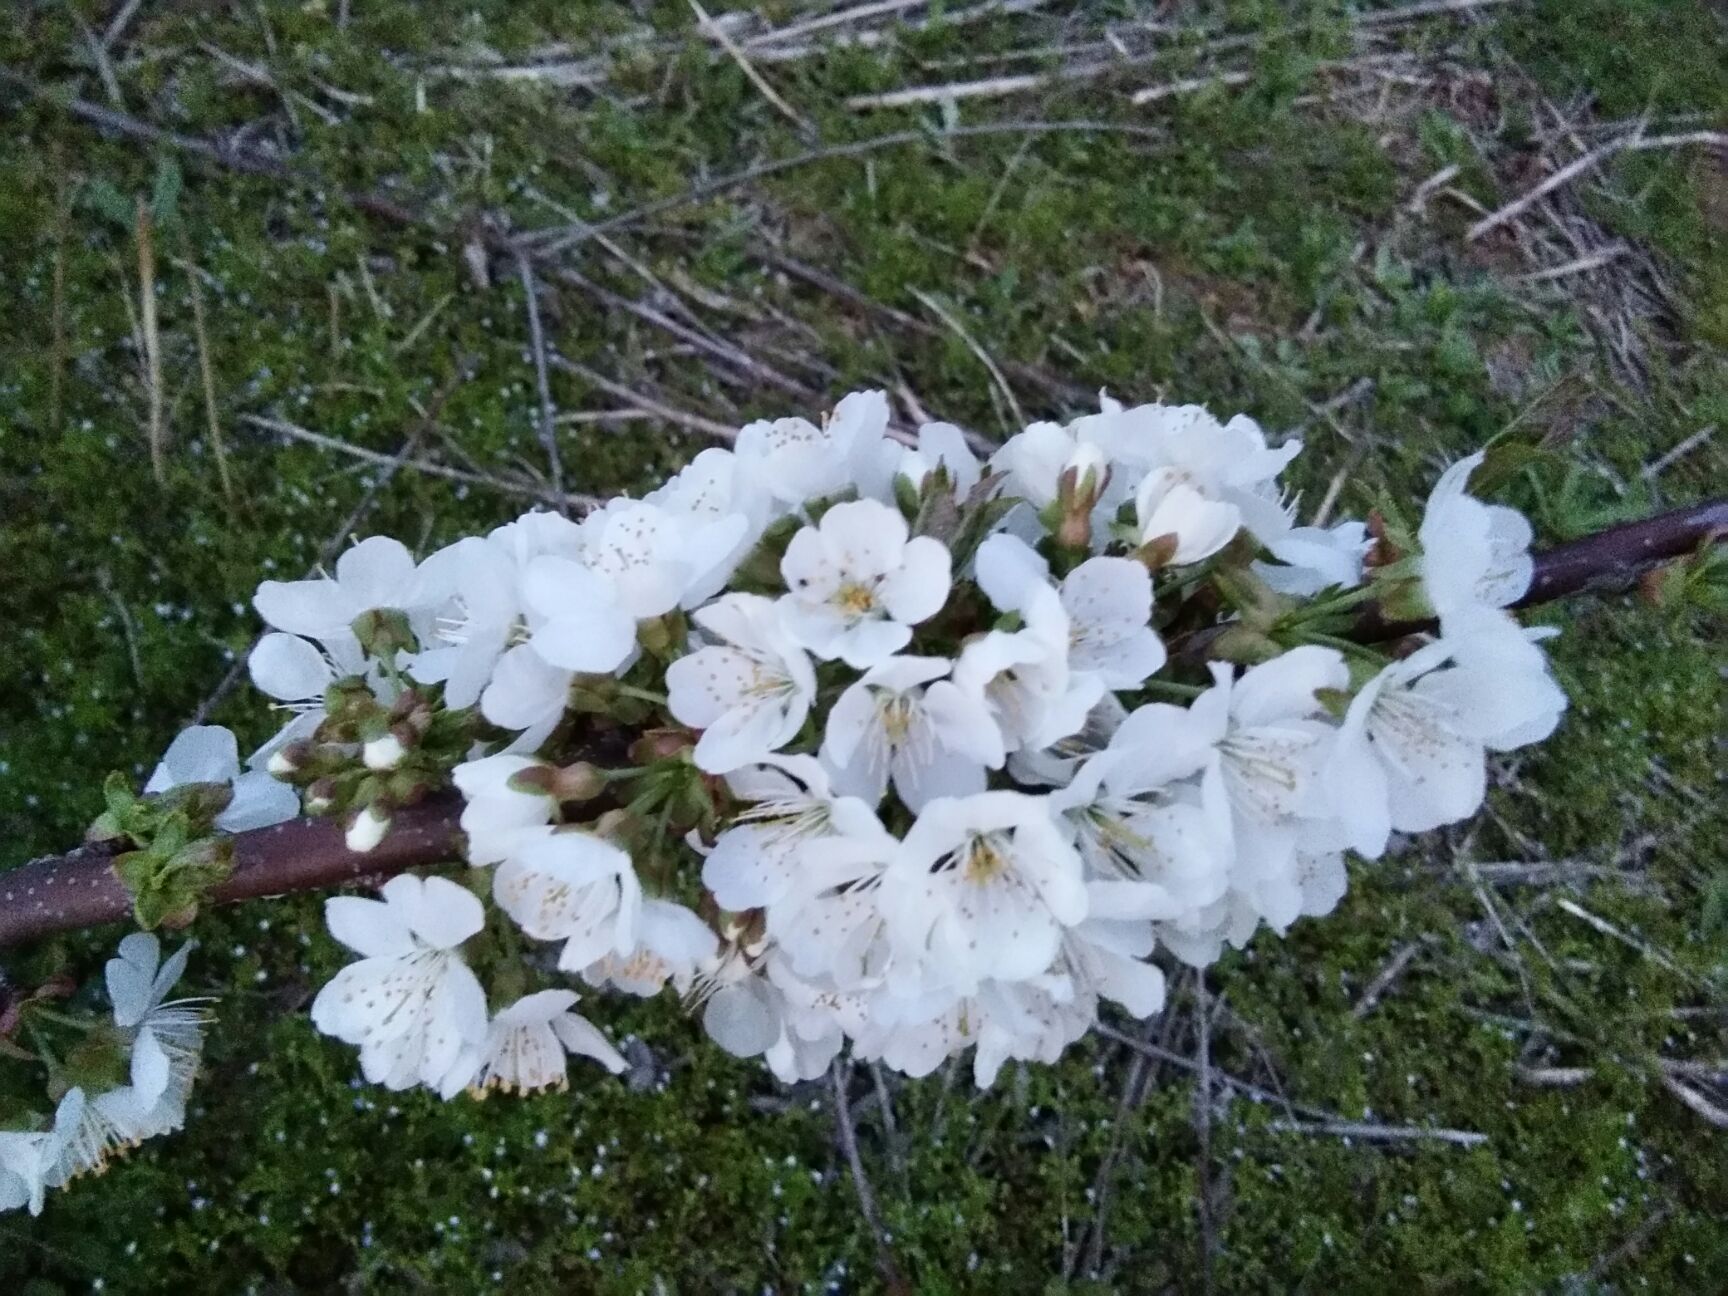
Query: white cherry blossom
[(526, 693), (411, 1004), (795, 460), (1259, 747), (1412, 749), (749, 691), (904, 721), (499, 817), (526, 1046), (982, 887), (1312, 559), (377, 573), (1473, 554), (1207, 480), (658, 559), (296, 672), (1023, 676), (1149, 847), (1110, 635), (481, 612), (27, 1158), (671, 944), (757, 861), (573, 887), (857, 584), (579, 618), (1034, 461), (166, 1039), (941, 445), (210, 754)]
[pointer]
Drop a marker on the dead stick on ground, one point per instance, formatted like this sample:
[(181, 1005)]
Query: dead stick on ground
[(151, 333), (206, 376), (718, 34), (543, 384), (1382, 1133), (1203, 1130), (885, 1261), (1633, 143)]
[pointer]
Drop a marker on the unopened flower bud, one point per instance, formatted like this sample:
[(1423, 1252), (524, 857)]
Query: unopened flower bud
[(661, 744), (913, 467), (321, 797), (1078, 491), (366, 831), (578, 782), (1090, 467), (383, 753)]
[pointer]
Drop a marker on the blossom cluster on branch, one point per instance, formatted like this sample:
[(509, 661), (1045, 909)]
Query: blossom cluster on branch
[(870, 745)]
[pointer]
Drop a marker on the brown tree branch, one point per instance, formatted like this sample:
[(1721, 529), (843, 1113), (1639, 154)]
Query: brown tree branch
[(79, 889), (65, 892)]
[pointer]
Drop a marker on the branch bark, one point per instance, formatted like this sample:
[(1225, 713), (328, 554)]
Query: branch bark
[(78, 889)]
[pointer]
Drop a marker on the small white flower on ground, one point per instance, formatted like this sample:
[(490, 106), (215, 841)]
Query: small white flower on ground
[(1411, 752), (209, 754), (749, 691), (410, 1004), (903, 721), (857, 584), (1473, 554), (526, 1046), (982, 887)]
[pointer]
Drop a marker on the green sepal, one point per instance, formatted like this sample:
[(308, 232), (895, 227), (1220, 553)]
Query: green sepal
[(96, 1064), (384, 632)]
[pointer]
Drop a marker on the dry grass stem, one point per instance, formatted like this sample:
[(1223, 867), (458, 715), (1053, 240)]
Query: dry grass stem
[(718, 33), (207, 380), (151, 335)]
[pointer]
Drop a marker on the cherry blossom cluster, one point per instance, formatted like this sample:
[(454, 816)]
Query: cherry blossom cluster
[(121, 1081), (873, 744)]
